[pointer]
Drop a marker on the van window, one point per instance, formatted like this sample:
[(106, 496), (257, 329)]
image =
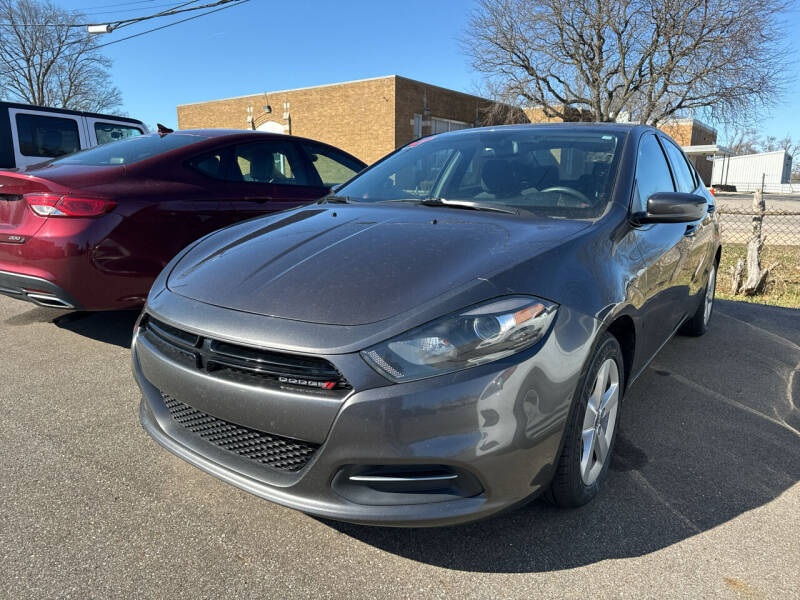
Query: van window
[(111, 132), (47, 136)]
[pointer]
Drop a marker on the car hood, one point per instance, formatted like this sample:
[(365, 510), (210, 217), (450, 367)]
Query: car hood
[(352, 265)]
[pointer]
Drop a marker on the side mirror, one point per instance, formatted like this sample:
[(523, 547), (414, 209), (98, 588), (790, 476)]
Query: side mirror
[(671, 207)]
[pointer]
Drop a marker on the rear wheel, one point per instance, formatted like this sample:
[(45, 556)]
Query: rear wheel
[(592, 430), (698, 324)]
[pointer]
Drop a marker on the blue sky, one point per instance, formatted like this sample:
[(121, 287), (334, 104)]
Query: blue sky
[(267, 45)]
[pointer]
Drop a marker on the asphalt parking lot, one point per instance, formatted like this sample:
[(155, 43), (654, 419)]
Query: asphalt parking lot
[(702, 500)]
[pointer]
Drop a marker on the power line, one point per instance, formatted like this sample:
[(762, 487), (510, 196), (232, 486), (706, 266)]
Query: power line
[(227, 4), (180, 8), (117, 24), (81, 9), (90, 14)]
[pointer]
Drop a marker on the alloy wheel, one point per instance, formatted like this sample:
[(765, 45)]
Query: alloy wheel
[(599, 421)]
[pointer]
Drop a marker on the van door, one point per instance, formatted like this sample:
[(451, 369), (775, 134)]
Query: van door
[(40, 135), (102, 131)]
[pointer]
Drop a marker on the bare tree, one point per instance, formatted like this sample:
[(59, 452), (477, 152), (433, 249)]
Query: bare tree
[(646, 60), (743, 140), (48, 59)]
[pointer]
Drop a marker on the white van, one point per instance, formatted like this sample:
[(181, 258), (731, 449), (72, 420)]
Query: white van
[(33, 134)]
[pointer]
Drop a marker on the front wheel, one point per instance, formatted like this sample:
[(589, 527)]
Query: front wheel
[(592, 429)]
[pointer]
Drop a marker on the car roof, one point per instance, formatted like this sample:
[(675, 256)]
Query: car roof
[(209, 138), (615, 127), (246, 134), (240, 133)]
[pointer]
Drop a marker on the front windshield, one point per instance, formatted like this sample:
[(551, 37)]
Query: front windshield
[(545, 171), (127, 151)]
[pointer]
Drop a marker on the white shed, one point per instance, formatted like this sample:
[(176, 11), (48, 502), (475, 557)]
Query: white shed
[(749, 171)]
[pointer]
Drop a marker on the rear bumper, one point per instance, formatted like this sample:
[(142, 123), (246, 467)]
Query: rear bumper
[(61, 260), (37, 290)]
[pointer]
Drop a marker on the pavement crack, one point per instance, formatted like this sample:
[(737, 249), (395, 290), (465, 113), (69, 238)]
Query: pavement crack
[(767, 332), (642, 481), (722, 398)]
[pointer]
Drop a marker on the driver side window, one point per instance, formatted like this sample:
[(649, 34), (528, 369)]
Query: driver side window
[(652, 173)]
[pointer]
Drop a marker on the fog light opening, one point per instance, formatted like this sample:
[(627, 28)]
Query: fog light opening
[(404, 484)]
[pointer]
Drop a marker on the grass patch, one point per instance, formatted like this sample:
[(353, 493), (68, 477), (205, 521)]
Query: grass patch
[(783, 283)]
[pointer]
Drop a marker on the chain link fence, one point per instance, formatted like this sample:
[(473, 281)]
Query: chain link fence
[(780, 251), (779, 227)]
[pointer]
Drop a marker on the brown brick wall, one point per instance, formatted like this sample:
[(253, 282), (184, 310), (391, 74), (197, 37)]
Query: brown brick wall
[(367, 118), (690, 133), (412, 97), (357, 116), (693, 133), (537, 115)]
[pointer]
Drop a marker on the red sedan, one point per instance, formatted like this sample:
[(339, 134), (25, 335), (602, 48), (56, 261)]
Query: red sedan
[(92, 230)]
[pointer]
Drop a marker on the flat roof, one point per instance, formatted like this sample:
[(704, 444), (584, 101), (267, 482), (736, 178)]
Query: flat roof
[(325, 85), (707, 149)]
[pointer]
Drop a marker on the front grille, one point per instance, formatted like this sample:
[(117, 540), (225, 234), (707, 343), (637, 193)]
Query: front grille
[(284, 454), (242, 364)]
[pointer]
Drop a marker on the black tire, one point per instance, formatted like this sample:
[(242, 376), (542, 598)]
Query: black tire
[(568, 488), (697, 325)]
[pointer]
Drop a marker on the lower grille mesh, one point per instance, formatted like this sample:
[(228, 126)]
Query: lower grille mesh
[(277, 452)]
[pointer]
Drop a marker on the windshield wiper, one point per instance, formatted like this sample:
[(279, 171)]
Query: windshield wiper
[(466, 204), (334, 199)]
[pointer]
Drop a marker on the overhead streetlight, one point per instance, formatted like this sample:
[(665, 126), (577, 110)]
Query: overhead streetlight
[(100, 28)]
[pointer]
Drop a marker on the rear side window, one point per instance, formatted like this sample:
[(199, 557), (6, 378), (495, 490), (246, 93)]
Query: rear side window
[(652, 172), (332, 167), (268, 162), (47, 136), (125, 152), (210, 165), (111, 132), (683, 175)]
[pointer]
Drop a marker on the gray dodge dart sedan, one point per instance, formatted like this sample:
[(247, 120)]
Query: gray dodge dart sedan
[(450, 334)]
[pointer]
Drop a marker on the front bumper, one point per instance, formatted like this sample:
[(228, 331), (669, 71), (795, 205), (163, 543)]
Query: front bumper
[(500, 423)]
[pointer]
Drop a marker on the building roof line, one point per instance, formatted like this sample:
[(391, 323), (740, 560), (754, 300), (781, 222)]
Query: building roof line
[(438, 87), (326, 85), (300, 89)]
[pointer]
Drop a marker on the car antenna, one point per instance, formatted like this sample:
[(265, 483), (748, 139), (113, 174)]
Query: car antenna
[(163, 130)]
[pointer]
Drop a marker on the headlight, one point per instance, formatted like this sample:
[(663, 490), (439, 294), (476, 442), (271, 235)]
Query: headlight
[(471, 337)]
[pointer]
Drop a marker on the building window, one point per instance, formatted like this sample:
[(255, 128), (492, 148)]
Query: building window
[(417, 124), (444, 125)]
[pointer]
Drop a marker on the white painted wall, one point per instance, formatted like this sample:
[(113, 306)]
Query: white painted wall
[(747, 172)]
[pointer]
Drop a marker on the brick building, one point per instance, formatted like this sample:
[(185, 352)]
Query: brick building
[(371, 117), (698, 141), (368, 118)]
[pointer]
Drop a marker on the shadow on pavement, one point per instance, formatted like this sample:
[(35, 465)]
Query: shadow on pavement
[(110, 327), (710, 431)]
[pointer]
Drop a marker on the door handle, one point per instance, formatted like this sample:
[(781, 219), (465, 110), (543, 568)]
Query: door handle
[(260, 199), (690, 230)]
